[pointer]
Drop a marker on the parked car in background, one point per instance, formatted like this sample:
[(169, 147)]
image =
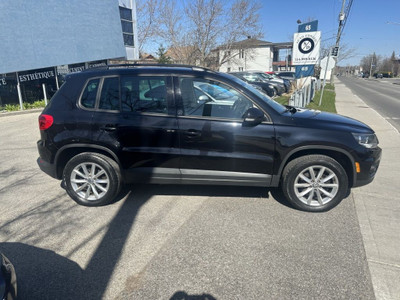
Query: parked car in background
[(291, 76), (278, 79), (365, 75), (257, 79), (147, 124)]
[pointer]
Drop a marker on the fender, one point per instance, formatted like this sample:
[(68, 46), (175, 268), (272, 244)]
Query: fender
[(276, 178), (98, 147)]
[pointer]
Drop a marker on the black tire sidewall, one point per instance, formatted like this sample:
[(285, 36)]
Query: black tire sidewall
[(109, 166), (298, 165)]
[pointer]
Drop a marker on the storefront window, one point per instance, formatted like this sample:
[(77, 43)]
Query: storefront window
[(8, 89)]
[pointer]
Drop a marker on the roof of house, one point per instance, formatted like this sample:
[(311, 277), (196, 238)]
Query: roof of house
[(247, 43)]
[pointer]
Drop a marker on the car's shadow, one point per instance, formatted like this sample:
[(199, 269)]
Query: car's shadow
[(206, 191), (44, 274)]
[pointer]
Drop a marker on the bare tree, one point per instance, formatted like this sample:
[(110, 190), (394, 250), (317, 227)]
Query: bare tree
[(370, 63), (345, 52), (197, 28), (148, 14)]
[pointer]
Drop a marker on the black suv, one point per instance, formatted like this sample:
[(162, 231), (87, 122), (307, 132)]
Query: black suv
[(189, 125)]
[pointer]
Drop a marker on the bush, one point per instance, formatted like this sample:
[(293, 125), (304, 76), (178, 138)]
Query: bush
[(16, 107)]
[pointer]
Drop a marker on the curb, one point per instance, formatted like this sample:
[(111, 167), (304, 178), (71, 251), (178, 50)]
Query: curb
[(20, 112)]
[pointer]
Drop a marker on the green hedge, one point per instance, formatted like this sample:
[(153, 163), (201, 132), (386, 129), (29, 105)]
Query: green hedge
[(16, 107)]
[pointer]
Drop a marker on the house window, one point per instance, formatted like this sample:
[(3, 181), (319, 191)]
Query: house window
[(241, 53), (227, 53), (240, 69), (127, 25), (228, 69)]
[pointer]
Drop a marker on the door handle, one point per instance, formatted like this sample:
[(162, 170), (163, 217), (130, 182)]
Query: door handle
[(193, 133), (109, 127)]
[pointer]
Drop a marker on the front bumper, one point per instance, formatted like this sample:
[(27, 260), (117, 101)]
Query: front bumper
[(369, 164)]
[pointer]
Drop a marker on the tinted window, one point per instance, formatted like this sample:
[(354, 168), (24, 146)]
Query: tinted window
[(89, 94), (144, 94), (109, 98), (212, 99)]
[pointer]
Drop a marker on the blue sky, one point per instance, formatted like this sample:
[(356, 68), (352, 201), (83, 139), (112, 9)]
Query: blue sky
[(367, 29)]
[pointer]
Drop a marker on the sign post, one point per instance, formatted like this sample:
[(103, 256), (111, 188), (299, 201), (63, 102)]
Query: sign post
[(306, 48)]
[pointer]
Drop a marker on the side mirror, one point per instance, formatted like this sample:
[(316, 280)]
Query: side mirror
[(203, 98), (253, 116)]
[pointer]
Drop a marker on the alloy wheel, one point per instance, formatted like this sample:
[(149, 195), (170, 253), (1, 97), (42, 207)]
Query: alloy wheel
[(316, 185), (90, 181)]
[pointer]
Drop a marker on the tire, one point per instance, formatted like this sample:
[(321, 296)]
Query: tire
[(92, 179), (314, 183)]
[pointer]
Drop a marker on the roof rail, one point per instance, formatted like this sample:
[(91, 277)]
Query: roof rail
[(136, 65)]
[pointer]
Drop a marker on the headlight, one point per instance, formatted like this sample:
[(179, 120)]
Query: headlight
[(368, 140), (270, 86)]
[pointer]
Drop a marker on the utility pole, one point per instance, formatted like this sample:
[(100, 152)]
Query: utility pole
[(370, 69), (339, 33), (342, 18)]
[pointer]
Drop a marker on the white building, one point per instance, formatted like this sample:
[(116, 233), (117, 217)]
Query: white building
[(254, 54)]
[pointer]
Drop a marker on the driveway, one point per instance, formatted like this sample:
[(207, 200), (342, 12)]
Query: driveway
[(169, 242)]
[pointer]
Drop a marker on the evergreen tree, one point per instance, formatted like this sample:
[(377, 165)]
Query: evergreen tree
[(162, 56)]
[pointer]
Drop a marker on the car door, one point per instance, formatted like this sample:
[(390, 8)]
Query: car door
[(215, 146), (136, 116)]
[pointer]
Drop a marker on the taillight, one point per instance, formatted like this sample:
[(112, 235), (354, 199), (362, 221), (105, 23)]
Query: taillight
[(45, 121)]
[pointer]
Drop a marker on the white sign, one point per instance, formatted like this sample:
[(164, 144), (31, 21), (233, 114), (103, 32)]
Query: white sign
[(327, 65), (306, 48)]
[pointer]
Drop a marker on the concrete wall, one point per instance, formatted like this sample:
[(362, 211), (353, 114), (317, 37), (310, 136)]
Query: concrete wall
[(43, 33)]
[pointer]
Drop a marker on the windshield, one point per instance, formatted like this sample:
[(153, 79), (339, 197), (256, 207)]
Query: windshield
[(265, 76), (272, 103)]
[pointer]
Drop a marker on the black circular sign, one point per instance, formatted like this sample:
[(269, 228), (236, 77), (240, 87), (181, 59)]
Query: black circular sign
[(306, 45)]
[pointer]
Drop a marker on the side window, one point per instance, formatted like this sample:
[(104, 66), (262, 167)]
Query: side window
[(109, 98), (144, 94), (88, 98), (209, 98)]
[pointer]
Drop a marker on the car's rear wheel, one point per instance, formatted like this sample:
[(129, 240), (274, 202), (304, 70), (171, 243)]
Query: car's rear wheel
[(92, 179), (314, 183)]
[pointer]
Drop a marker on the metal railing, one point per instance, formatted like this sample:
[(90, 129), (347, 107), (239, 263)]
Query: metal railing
[(301, 97)]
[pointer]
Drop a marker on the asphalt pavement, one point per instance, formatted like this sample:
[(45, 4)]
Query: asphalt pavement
[(190, 242), (383, 95), (378, 204)]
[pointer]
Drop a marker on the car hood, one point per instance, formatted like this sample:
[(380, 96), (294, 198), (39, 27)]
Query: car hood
[(315, 118)]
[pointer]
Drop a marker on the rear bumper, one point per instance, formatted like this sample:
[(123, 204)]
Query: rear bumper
[(45, 158), (48, 168)]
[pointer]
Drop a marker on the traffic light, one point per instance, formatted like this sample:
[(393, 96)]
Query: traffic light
[(334, 51)]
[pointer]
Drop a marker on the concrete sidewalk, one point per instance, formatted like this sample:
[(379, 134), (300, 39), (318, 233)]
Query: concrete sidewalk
[(378, 204)]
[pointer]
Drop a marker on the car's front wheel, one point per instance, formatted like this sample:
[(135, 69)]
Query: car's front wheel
[(92, 179), (314, 183)]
